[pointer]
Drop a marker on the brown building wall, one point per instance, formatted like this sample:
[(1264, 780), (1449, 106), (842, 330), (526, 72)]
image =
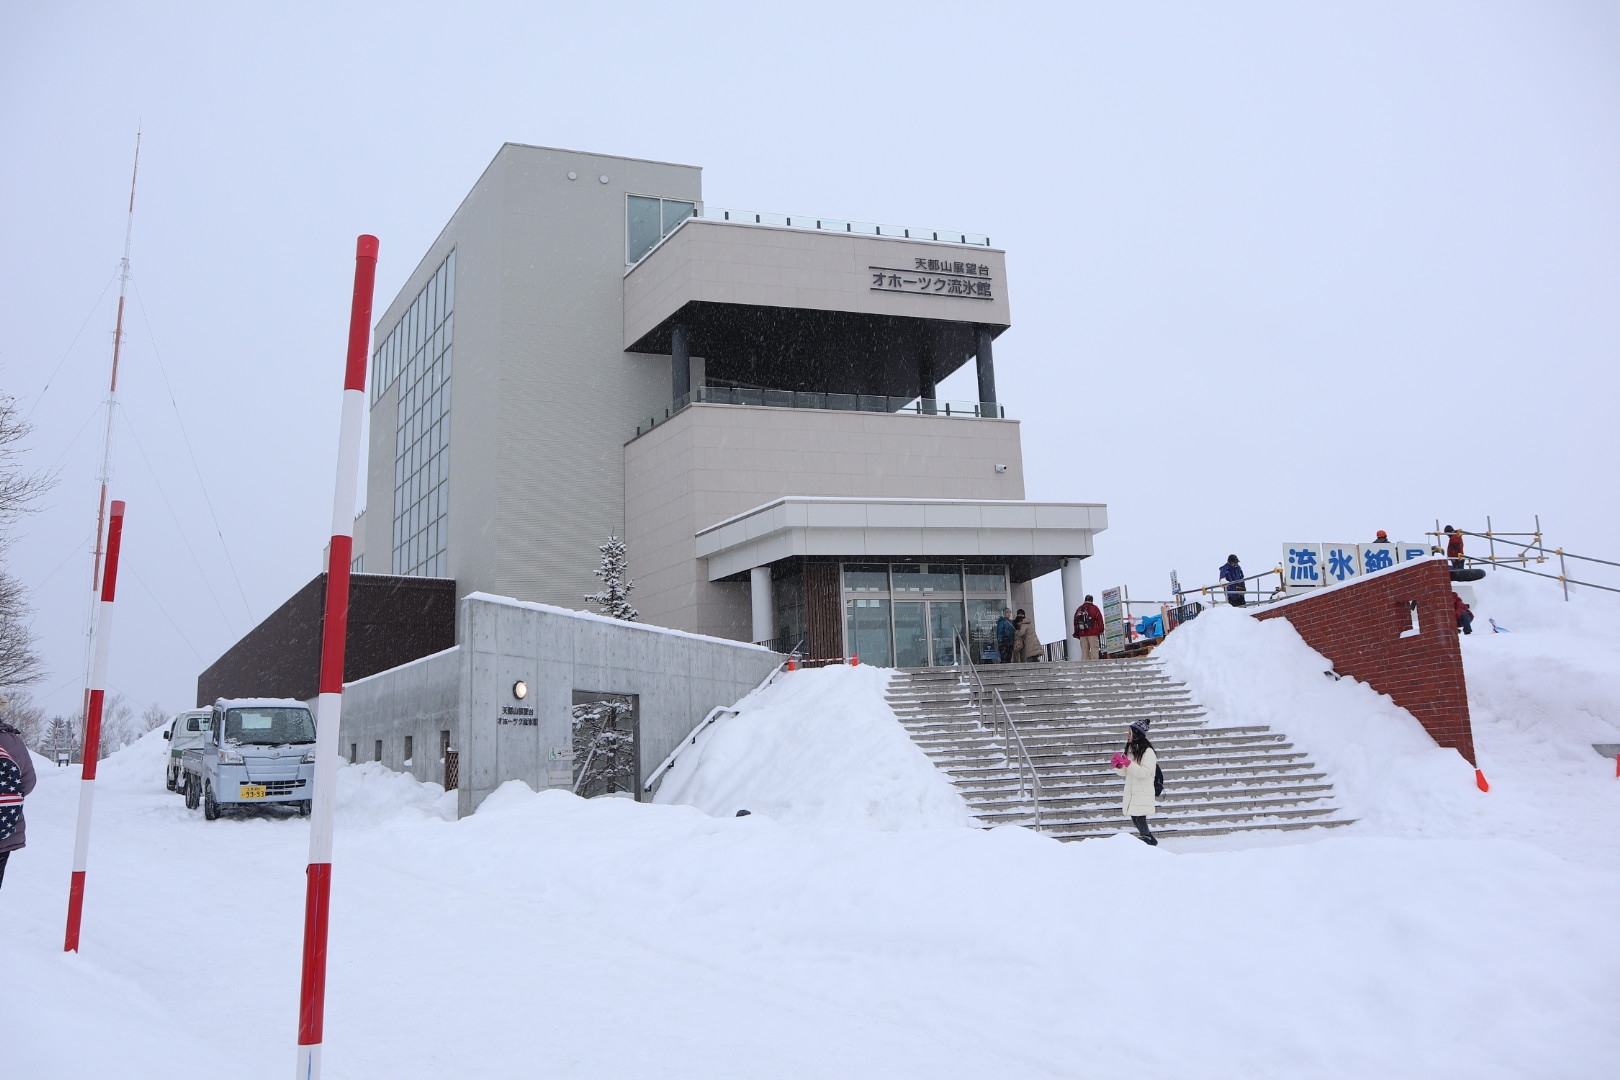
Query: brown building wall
[(392, 621), (1358, 627)]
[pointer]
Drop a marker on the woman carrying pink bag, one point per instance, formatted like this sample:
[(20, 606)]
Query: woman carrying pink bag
[(1138, 764)]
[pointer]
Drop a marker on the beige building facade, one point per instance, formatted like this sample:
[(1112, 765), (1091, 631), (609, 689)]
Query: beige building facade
[(749, 400)]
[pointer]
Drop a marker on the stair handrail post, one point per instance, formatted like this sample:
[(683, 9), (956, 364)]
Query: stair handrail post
[(1024, 758)]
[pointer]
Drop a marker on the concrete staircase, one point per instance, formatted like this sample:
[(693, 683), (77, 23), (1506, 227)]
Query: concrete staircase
[(1073, 717)]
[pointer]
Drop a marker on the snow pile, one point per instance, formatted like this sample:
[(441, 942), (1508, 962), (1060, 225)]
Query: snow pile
[(1385, 768), (819, 745), (1447, 934)]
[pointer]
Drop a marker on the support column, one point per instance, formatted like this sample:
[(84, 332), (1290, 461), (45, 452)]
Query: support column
[(759, 585), (987, 366), (680, 362), (1074, 594), (927, 380)]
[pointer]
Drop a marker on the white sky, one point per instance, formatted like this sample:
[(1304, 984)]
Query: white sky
[(1278, 271)]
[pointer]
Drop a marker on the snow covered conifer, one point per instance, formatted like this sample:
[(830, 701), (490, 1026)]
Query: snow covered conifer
[(613, 599)]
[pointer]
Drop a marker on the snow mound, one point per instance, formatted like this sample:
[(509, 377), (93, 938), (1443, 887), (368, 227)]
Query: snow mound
[(1386, 769), (817, 745)]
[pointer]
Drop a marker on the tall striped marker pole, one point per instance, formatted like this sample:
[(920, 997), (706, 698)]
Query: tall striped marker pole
[(92, 727), (329, 710)]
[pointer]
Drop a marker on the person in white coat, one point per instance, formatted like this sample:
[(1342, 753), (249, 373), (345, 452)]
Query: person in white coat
[(1137, 766)]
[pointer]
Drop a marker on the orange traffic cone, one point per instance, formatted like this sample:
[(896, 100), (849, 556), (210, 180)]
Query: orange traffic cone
[(1479, 778), (792, 664), (854, 661)]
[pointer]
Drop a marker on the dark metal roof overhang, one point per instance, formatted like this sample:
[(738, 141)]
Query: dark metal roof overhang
[(815, 350)]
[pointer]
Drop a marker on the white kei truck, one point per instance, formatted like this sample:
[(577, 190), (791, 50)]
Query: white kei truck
[(258, 751), (185, 732)]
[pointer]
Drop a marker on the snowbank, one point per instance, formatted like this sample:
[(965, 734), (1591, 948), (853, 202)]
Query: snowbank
[(817, 745), (1385, 768)]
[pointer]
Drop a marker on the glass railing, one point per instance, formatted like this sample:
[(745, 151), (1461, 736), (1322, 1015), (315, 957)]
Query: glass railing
[(860, 228), (798, 399)]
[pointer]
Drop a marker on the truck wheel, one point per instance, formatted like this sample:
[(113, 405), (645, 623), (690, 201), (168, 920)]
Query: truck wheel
[(304, 807), (190, 788), (168, 781), (210, 807)]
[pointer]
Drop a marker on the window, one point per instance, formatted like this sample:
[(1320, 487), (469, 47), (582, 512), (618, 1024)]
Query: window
[(354, 753), (408, 741), (866, 578), (416, 355), (377, 755), (648, 220)]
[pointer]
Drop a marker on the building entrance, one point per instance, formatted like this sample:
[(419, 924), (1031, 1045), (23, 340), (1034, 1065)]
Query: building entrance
[(922, 614)]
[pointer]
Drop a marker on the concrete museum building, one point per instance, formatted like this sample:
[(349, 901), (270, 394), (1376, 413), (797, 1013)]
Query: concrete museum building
[(749, 400)]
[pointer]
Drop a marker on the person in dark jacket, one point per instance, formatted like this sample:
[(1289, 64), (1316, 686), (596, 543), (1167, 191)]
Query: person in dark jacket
[(1454, 548), (1088, 627), (1232, 574), (1465, 614), (16, 780), (1006, 634)]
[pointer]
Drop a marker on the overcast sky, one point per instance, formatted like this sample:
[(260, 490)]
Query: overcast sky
[(1278, 271)]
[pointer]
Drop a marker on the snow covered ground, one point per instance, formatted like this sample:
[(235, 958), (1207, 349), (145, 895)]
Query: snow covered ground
[(851, 928)]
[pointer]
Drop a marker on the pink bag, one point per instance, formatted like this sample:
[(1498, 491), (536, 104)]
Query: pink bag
[(1120, 761)]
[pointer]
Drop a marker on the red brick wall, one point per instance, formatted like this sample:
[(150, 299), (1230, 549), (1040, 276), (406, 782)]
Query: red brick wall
[(1358, 627)]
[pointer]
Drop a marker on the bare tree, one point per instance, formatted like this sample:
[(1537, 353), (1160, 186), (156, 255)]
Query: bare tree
[(153, 717), (18, 710), (604, 747), (19, 664), (119, 725)]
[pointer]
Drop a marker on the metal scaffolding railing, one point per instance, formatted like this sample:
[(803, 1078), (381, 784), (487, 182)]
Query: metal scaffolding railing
[(1525, 548)]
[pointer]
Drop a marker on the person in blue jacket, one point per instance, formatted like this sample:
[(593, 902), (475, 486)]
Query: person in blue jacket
[(1232, 574), (1006, 634)]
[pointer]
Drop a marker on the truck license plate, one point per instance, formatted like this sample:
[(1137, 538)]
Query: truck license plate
[(253, 791)]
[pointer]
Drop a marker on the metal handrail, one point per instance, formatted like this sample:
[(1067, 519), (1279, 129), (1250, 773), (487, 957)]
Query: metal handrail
[(692, 736), (1220, 587), (1002, 723)]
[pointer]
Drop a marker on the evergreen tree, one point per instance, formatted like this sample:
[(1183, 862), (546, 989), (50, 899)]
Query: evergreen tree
[(613, 599)]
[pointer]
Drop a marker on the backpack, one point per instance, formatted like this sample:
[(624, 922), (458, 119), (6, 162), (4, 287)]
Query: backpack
[(1158, 781), (11, 797), (1083, 620)]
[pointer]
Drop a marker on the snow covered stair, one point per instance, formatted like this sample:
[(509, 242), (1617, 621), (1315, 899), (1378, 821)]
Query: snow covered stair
[(1072, 717)]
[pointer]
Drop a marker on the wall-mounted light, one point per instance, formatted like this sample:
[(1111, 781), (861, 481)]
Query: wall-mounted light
[(1001, 468), (603, 178), (573, 176), (520, 689)]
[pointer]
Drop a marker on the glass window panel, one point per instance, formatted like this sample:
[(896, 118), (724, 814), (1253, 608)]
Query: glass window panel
[(943, 577), (986, 578), (641, 226), (945, 622), (430, 309), (867, 631), (860, 577), (908, 577), (676, 212), (450, 280), (982, 616), (910, 633)]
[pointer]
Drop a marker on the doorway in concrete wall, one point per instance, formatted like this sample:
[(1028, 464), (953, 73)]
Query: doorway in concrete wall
[(607, 730)]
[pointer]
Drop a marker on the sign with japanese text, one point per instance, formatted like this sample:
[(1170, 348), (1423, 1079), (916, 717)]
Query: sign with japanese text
[(1306, 565), (1302, 565), (1376, 557), (936, 277), (1340, 562), (1113, 638)]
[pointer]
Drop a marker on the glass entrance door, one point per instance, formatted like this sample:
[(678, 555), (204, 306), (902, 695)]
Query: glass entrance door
[(910, 633), (945, 621)]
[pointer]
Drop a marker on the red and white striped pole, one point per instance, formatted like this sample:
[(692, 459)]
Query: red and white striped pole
[(92, 728), (329, 711)]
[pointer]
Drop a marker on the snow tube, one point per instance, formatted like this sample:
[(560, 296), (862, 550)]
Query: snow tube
[(1467, 575)]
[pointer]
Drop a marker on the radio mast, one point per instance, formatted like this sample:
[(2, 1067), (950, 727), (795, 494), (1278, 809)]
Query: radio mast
[(112, 383)]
